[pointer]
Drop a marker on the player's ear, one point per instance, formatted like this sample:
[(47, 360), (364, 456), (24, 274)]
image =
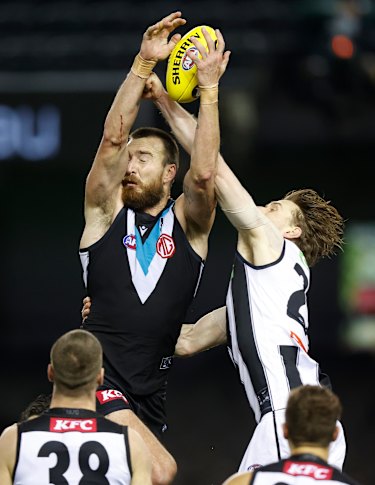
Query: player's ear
[(170, 172), (50, 373), (100, 378), (293, 232), (285, 431), (335, 433)]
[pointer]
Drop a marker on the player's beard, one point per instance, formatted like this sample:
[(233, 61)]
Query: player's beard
[(150, 195)]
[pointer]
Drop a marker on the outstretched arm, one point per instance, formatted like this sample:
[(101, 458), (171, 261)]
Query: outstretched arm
[(259, 241), (195, 208), (103, 183), (209, 331)]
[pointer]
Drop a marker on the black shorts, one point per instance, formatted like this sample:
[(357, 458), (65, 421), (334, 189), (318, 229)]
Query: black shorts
[(150, 409)]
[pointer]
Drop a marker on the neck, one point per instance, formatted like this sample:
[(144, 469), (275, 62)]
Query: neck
[(156, 209), (318, 451), (81, 402)]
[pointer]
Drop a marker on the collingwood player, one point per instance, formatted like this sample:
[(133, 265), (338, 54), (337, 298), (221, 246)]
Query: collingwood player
[(71, 443)]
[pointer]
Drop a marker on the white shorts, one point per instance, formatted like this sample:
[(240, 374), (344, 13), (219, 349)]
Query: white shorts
[(268, 445)]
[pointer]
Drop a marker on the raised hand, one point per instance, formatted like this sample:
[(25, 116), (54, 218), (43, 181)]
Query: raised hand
[(214, 60), (153, 88), (155, 44)]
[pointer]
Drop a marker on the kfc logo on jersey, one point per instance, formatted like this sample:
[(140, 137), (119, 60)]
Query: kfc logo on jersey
[(165, 246), (129, 241), (318, 472), (110, 395), (61, 425)]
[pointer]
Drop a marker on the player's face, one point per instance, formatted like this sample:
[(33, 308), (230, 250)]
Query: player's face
[(281, 213), (143, 185)]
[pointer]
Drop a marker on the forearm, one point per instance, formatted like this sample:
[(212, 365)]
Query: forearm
[(181, 122), (125, 106), (209, 331), (236, 203), (206, 143)]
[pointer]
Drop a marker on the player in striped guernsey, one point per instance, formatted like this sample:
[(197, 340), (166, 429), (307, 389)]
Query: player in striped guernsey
[(70, 442), (266, 319), (310, 426)]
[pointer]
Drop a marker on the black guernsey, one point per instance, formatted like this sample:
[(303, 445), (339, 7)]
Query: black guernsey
[(138, 338)]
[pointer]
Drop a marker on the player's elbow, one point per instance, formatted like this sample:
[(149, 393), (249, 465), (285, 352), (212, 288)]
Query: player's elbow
[(204, 178), (183, 349), (164, 473)]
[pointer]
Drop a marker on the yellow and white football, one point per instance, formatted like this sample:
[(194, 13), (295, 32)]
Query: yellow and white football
[(181, 76)]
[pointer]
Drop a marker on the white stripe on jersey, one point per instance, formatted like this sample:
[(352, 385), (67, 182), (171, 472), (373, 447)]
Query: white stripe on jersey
[(145, 283), (268, 321)]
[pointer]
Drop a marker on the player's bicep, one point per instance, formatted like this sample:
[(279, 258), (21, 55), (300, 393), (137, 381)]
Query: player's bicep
[(106, 174), (199, 200)]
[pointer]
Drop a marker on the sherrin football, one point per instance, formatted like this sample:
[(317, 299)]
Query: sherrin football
[(181, 76)]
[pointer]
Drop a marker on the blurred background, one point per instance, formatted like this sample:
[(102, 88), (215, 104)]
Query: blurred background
[(297, 107)]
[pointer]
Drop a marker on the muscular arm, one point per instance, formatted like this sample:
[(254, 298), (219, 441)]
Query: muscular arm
[(140, 459), (209, 331), (164, 467), (8, 445), (258, 241), (103, 185), (195, 208)]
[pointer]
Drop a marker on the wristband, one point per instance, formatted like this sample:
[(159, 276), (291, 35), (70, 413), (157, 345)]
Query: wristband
[(209, 94), (141, 67)]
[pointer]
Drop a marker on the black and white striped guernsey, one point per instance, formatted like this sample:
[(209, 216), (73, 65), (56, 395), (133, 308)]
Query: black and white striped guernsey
[(72, 446), (306, 469)]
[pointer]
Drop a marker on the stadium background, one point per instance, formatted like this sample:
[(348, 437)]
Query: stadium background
[(297, 110)]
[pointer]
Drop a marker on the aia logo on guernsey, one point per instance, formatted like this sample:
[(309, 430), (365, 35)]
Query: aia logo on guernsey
[(318, 472), (129, 241), (61, 425), (110, 395), (187, 63), (165, 246)]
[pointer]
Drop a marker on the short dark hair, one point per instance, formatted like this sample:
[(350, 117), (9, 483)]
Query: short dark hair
[(321, 224), (311, 415), (172, 153), (76, 358)]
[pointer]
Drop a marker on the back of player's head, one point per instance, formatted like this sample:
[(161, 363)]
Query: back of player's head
[(311, 415), (76, 359)]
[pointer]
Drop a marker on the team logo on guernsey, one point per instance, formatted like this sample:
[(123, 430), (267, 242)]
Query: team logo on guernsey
[(63, 425), (165, 246), (318, 472), (166, 362), (148, 261), (129, 241), (251, 468), (110, 395), (187, 63)]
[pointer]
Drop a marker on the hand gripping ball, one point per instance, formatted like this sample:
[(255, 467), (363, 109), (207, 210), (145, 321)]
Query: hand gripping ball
[(181, 76)]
